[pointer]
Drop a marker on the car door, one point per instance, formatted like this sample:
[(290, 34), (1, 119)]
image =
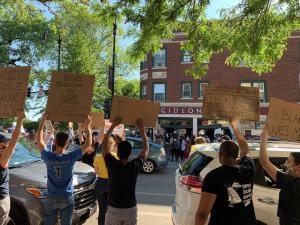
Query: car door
[(136, 148), (266, 194)]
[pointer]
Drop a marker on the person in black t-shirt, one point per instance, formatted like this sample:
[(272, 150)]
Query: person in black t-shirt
[(289, 183), (227, 190), (122, 177)]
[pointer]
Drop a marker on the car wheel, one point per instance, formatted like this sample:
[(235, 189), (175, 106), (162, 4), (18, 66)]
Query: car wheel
[(149, 166), (15, 217)]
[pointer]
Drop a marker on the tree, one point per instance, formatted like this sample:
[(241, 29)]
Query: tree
[(254, 31), (29, 33), (129, 88)]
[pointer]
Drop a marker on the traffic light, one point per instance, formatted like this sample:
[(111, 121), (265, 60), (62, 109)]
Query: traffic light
[(28, 92)]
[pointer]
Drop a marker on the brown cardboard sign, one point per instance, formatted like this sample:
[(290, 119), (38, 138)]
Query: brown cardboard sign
[(70, 97), (13, 89), (226, 102), (130, 109), (284, 120), (97, 120)]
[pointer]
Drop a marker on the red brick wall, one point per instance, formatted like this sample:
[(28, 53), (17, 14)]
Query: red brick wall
[(282, 82)]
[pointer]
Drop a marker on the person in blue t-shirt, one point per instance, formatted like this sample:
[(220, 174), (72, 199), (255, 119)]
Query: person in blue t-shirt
[(60, 167)]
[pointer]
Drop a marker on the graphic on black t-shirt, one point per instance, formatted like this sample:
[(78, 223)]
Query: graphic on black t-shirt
[(239, 193)]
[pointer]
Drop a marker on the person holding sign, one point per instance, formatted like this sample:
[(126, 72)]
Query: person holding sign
[(289, 183), (60, 166), (227, 190), (122, 177), (7, 148)]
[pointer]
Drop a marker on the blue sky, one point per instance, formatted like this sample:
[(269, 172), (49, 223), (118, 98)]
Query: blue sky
[(212, 12)]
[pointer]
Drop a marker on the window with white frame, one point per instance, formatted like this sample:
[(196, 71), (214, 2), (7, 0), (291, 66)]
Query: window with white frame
[(144, 91), (159, 59), (186, 90), (186, 56), (159, 92), (261, 85), (201, 87)]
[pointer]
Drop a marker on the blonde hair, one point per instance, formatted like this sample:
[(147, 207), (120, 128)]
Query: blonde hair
[(200, 140)]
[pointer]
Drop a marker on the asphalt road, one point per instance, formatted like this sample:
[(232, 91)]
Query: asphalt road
[(155, 195)]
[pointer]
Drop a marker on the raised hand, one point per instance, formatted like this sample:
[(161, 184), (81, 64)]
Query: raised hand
[(264, 135), (234, 123), (21, 116), (140, 124), (117, 121)]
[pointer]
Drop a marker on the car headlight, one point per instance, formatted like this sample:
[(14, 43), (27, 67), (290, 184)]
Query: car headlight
[(36, 192)]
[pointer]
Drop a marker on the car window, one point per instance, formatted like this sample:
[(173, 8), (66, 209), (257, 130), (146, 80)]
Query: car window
[(262, 178), (195, 164)]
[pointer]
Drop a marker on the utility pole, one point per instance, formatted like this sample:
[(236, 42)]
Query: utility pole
[(59, 40), (113, 62)]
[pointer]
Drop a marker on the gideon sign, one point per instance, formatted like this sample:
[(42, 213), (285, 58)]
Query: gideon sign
[(180, 110)]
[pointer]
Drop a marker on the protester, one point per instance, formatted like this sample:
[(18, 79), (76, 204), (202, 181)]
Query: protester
[(49, 138), (122, 176), (289, 183), (7, 148), (182, 147), (188, 147), (225, 138), (227, 190), (198, 141), (101, 187), (175, 149), (60, 167)]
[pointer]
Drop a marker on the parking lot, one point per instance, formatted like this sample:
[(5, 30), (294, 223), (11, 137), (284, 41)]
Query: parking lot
[(155, 194)]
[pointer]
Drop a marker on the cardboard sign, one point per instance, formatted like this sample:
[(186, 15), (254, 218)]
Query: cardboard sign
[(70, 97), (119, 130), (130, 109), (284, 120), (97, 120), (225, 102), (13, 89)]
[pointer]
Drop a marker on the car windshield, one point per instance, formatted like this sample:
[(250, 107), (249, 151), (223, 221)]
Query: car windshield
[(25, 153)]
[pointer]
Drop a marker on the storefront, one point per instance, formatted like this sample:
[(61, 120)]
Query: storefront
[(174, 117)]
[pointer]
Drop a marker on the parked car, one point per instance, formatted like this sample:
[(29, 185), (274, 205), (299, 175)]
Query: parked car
[(28, 185), (190, 175), (157, 158)]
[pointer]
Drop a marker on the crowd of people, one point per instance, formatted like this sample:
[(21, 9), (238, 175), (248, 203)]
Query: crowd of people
[(226, 192)]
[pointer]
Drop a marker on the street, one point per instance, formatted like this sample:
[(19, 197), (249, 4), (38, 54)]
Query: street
[(155, 194)]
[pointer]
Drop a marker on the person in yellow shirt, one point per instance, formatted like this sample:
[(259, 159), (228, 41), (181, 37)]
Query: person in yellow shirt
[(101, 187)]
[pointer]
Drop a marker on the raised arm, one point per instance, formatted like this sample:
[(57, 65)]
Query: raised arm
[(40, 134), (105, 144), (243, 145), (79, 133), (100, 136), (264, 160), (145, 150), (205, 206), (87, 145), (7, 153)]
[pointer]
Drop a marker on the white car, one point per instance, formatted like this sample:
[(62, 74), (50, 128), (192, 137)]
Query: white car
[(205, 158)]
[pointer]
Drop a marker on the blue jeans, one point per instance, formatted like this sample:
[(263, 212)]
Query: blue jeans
[(63, 206)]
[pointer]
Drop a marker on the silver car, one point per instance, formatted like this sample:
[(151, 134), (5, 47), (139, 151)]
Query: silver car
[(190, 175), (28, 184)]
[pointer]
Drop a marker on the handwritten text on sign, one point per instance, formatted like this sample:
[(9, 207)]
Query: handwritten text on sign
[(13, 88), (70, 97), (284, 120), (225, 102)]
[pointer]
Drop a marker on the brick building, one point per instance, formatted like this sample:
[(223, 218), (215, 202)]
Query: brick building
[(163, 79)]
